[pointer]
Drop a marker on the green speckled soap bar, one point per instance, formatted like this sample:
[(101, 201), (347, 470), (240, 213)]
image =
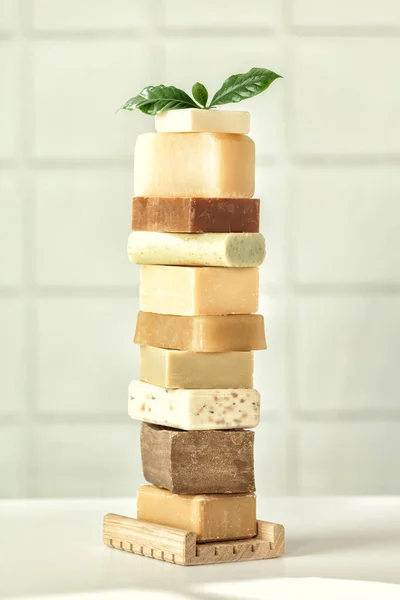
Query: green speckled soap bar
[(201, 249)]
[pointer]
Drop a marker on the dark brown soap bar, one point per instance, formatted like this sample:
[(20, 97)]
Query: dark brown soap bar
[(201, 333), (198, 462), (196, 215)]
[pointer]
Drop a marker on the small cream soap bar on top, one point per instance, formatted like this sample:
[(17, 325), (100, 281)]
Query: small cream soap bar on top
[(197, 120), (185, 369), (194, 409), (172, 290), (202, 165), (197, 249)]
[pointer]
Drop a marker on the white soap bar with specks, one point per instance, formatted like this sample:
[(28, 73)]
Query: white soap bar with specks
[(199, 165), (196, 120), (198, 249), (194, 409)]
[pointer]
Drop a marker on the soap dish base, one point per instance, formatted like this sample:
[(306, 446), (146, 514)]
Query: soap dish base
[(179, 547)]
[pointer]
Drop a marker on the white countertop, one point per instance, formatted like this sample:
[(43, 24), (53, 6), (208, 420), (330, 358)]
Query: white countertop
[(51, 547)]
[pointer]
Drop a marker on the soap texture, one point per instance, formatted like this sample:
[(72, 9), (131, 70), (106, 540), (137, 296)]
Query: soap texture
[(198, 290), (195, 119), (216, 165), (198, 462), (210, 333), (211, 517), (194, 409), (182, 369), (196, 215), (197, 249)]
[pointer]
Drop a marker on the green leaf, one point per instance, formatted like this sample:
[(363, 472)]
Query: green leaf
[(132, 103), (244, 85), (159, 98), (200, 94)]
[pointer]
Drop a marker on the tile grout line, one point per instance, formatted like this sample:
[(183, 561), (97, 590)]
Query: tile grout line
[(28, 220), (290, 428)]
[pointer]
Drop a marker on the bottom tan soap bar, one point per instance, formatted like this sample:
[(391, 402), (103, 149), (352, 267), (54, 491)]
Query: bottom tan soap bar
[(211, 517)]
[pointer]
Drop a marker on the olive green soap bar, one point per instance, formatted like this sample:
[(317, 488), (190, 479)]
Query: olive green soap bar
[(197, 249)]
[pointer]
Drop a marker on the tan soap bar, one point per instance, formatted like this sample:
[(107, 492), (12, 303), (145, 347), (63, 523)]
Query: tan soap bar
[(197, 249), (175, 290), (213, 165), (182, 369), (195, 119), (210, 461), (206, 333), (211, 517), (194, 409)]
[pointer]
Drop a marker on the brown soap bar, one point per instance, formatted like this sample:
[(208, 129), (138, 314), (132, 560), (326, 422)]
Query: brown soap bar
[(201, 333), (198, 462), (196, 215)]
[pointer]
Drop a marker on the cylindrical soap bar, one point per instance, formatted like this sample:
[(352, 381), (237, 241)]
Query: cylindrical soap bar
[(207, 333), (216, 165), (202, 249), (196, 215)]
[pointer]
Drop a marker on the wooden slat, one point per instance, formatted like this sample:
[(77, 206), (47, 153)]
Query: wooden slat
[(179, 546), (149, 539)]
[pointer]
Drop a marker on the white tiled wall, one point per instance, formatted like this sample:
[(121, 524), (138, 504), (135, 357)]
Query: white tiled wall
[(328, 143)]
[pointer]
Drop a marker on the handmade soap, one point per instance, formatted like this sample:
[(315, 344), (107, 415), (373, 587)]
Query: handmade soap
[(194, 409), (198, 462), (211, 517), (196, 215), (194, 164), (181, 369), (207, 333), (197, 249), (195, 119), (198, 290)]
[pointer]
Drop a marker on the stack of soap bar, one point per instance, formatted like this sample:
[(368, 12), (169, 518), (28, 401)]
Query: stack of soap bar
[(196, 234)]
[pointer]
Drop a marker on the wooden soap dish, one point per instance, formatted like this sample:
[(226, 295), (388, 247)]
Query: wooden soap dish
[(179, 546)]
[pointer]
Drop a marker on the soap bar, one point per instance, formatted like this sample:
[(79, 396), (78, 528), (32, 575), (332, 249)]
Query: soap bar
[(180, 369), (211, 517), (198, 462), (195, 119), (196, 215), (194, 409), (210, 333), (213, 165), (198, 290), (198, 249)]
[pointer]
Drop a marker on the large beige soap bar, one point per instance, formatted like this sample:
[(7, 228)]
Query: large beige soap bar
[(182, 369), (215, 165), (197, 249), (211, 517), (173, 290), (195, 119), (194, 409)]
